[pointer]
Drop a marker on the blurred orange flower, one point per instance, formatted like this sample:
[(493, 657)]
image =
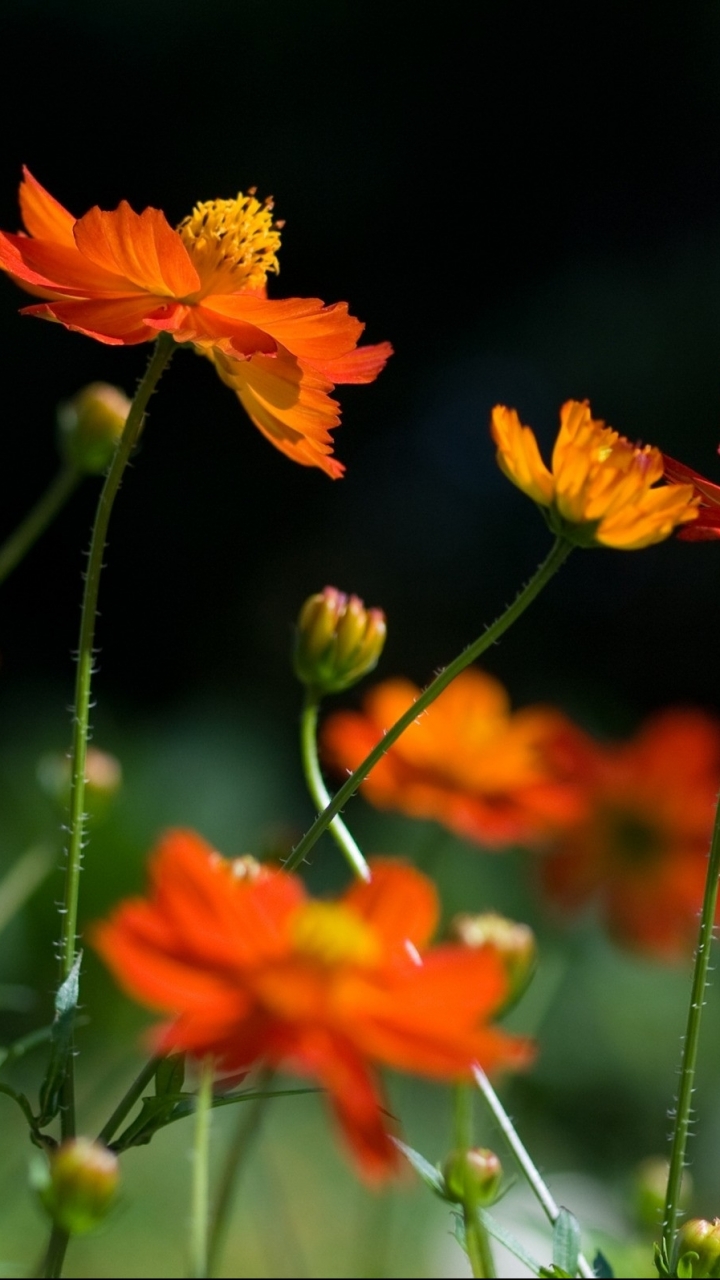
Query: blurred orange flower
[(124, 277), (253, 971), (641, 852), (707, 525), (599, 491), (468, 762)]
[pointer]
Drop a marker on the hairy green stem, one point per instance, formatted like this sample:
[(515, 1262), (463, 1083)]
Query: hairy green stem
[(199, 1216), (318, 790), (683, 1108), (16, 547), (248, 1124), (557, 556), (538, 1186)]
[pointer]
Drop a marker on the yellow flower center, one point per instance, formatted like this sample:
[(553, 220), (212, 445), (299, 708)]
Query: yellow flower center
[(332, 935), (233, 243)]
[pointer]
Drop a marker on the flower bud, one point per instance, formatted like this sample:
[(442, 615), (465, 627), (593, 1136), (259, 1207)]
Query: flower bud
[(78, 1185), (649, 1189), (337, 641), (103, 778), (702, 1238), (90, 426), (472, 1177), (514, 943)]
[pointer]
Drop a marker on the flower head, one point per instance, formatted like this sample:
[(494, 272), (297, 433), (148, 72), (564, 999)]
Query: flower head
[(640, 852), (468, 762), (600, 490), (337, 641), (123, 277), (707, 526), (250, 970)]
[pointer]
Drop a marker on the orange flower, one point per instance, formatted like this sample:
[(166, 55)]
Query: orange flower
[(707, 525), (600, 490), (123, 277), (641, 852), (252, 971), (468, 762)]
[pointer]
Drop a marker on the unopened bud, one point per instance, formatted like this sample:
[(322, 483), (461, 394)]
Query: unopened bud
[(649, 1190), (103, 778), (472, 1177), (514, 943), (90, 426), (78, 1185), (701, 1238), (337, 641)]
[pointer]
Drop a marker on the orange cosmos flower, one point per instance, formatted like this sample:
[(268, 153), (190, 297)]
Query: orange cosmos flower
[(252, 971), (707, 525), (600, 489), (124, 277), (641, 851), (468, 762)]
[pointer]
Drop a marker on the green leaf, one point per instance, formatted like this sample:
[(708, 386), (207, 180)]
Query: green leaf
[(158, 1112), (602, 1267), (555, 1273), (566, 1242), (61, 1045), (660, 1259), (426, 1171), (170, 1074), (493, 1228), (685, 1265)]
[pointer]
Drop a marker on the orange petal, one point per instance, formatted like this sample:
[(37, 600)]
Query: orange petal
[(140, 246), (305, 326), (117, 321), (59, 267), (288, 404), (44, 217), (399, 902), (361, 366)]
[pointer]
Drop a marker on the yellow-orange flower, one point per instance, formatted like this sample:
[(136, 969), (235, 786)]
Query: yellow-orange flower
[(640, 851), (600, 489), (250, 970), (123, 278), (468, 762)]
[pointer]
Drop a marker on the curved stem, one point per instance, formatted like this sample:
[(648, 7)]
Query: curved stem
[(16, 547), (558, 554), (318, 790), (248, 1125), (537, 1184), (201, 1174), (683, 1109)]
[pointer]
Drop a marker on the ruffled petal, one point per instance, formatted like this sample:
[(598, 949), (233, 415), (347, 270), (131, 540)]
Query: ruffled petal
[(117, 321), (305, 326), (44, 217), (399, 902), (59, 267), (361, 366), (140, 246)]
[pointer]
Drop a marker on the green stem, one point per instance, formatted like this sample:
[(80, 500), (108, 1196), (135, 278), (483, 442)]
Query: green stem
[(127, 1102), (558, 554), (55, 1254), (477, 1242), (683, 1109), (16, 547), (534, 1178), (318, 790), (248, 1124), (199, 1216)]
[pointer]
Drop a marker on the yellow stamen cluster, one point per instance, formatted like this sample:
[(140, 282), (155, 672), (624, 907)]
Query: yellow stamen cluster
[(233, 243), (331, 934), (601, 489)]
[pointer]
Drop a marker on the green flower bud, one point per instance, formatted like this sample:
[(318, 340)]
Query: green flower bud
[(649, 1189), (90, 426), (337, 641), (472, 1177), (514, 943), (78, 1185), (701, 1238)]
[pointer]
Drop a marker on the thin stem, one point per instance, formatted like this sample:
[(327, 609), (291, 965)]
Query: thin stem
[(199, 1216), (477, 1242), (557, 556), (16, 547), (127, 1102), (318, 790), (537, 1185), (248, 1124), (52, 1264), (683, 1109)]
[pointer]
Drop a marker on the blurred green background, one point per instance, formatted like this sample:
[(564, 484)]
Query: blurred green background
[(526, 202)]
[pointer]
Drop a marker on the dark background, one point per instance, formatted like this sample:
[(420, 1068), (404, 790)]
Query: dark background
[(524, 199)]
